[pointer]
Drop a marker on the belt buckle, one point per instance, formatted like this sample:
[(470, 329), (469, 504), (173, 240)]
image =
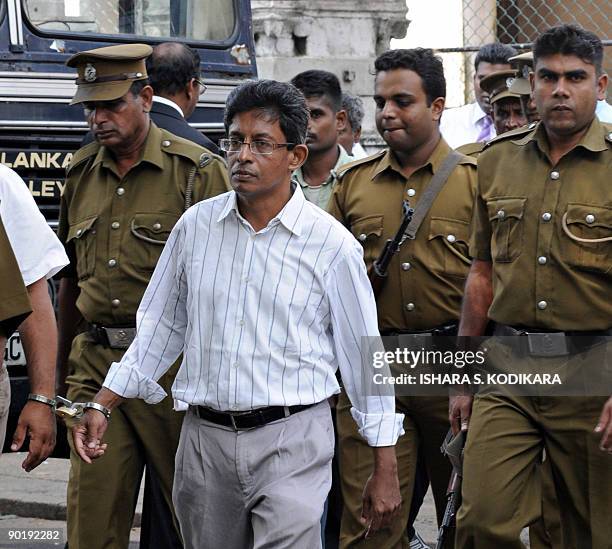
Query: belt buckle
[(547, 344), (423, 340), (119, 338)]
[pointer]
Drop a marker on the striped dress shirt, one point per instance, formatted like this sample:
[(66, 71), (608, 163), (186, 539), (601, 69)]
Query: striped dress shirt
[(263, 318)]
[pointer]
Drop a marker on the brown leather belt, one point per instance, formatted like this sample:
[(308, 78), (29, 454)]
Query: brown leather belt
[(248, 420)]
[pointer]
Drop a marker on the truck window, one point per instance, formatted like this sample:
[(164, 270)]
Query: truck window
[(192, 20)]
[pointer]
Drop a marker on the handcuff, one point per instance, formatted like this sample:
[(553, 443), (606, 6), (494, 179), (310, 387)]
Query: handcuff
[(66, 409)]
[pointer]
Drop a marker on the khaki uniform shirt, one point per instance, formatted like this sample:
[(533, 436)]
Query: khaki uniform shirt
[(320, 195), (542, 276), (471, 149), (14, 299), (425, 283), (115, 228)]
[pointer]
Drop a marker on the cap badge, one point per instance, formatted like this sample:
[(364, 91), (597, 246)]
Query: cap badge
[(509, 81), (90, 74)]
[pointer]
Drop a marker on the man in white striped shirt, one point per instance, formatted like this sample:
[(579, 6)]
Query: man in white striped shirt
[(266, 296)]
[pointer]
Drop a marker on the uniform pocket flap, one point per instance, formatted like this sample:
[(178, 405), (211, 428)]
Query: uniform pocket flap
[(589, 215), (367, 226), (452, 230), (501, 209), (81, 228)]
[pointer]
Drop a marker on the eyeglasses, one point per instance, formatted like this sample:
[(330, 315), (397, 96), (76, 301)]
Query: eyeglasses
[(258, 146), (203, 86)]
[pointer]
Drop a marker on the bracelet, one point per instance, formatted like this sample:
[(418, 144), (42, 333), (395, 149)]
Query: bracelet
[(95, 406), (43, 399)]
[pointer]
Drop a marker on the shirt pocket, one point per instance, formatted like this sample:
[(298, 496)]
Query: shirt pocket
[(82, 234), (368, 231), (507, 228), (586, 241), (149, 233), (451, 238)]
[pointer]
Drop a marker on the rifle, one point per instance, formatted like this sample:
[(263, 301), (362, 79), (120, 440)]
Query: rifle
[(378, 271), (452, 447)]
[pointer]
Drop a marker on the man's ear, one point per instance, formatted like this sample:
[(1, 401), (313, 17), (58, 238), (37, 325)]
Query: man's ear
[(602, 86), (146, 96), (298, 156), (341, 121), (190, 89), (437, 107)]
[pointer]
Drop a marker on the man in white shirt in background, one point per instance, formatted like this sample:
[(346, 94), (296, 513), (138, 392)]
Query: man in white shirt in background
[(266, 295), (39, 255), (472, 123), (350, 137)]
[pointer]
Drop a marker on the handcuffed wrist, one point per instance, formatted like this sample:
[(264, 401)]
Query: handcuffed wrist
[(95, 406), (42, 399)]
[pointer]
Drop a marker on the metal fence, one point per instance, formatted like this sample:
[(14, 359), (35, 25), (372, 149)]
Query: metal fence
[(518, 23)]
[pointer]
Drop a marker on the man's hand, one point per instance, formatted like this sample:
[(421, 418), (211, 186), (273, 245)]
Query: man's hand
[(38, 422), (604, 426), (381, 495), (87, 435), (459, 411)]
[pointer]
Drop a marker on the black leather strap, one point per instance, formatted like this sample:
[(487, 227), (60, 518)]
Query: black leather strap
[(248, 420)]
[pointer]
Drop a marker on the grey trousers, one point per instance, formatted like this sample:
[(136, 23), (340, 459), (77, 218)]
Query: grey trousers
[(263, 489), (5, 399)]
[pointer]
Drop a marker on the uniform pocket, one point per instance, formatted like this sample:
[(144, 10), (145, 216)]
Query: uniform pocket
[(83, 236), (506, 218), (586, 240), (148, 235), (368, 231), (451, 238)]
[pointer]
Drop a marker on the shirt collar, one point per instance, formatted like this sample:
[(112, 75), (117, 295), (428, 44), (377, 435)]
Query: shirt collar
[(290, 216), (389, 160), (343, 158), (593, 140), (170, 103), (477, 113), (152, 152)]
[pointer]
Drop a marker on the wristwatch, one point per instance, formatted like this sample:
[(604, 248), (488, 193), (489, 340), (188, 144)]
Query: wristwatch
[(43, 399), (95, 406)]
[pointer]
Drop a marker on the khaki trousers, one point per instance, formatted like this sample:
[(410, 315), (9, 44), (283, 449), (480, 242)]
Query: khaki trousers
[(426, 425), (261, 488), (102, 496), (5, 400)]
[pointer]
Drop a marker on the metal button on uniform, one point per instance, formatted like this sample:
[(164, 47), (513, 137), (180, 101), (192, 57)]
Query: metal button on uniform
[(542, 260), (542, 305), (120, 191), (362, 237), (451, 238), (115, 303), (406, 266), (590, 218), (115, 225), (410, 307), (554, 175), (546, 216), (410, 192), (165, 143), (156, 226), (501, 214), (79, 232), (112, 262)]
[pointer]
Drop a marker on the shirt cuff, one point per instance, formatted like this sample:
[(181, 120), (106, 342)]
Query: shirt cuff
[(129, 382), (379, 429)]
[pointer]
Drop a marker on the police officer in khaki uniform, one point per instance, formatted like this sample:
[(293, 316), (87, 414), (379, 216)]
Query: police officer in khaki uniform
[(542, 243), (425, 282), (123, 195)]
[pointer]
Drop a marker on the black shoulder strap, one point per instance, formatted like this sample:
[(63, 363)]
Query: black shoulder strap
[(431, 191)]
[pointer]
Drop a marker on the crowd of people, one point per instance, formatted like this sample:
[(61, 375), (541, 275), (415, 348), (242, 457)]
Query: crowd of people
[(215, 311)]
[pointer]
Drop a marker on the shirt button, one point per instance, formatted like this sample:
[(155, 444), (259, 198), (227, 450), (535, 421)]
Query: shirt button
[(546, 216), (406, 266), (112, 262), (235, 365), (241, 322), (115, 303), (451, 238), (115, 225), (410, 307), (542, 305), (410, 192), (362, 237), (501, 214), (590, 218), (156, 226), (542, 260), (165, 143), (554, 175), (120, 191)]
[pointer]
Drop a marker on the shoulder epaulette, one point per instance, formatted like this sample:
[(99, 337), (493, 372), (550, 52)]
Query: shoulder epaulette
[(471, 149), (83, 154), (608, 129), (512, 134), (198, 154), (361, 161)]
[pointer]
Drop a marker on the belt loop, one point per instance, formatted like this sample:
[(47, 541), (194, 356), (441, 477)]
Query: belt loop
[(286, 411), (233, 420)]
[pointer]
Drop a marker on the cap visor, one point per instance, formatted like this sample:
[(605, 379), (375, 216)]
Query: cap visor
[(104, 91), (503, 95)]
